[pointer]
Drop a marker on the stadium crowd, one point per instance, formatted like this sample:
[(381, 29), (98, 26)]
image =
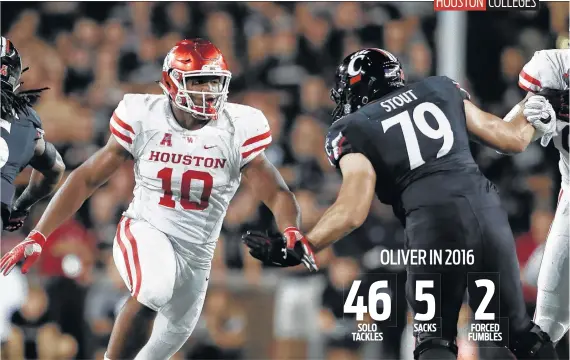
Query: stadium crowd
[(282, 57)]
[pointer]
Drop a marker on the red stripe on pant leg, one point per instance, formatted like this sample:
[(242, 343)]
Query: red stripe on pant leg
[(560, 196), (125, 255), (133, 243)]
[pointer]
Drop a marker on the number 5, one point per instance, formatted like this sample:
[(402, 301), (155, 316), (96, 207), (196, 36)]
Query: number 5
[(412, 146), (421, 296)]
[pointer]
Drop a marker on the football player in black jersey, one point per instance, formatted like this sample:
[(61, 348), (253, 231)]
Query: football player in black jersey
[(22, 144), (409, 145)]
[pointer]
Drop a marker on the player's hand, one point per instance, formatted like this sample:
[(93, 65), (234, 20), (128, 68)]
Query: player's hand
[(559, 101), (297, 242), (17, 218), (539, 112), (28, 250), (272, 250)]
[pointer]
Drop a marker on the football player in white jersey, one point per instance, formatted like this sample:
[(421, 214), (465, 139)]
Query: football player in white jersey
[(190, 150), (547, 74)]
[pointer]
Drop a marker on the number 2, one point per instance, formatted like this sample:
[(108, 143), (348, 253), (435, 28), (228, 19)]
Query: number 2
[(166, 200), (412, 146), (480, 313)]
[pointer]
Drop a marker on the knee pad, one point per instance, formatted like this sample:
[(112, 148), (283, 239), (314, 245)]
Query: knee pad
[(155, 295), (532, 344), (174, 338), (435, 343)]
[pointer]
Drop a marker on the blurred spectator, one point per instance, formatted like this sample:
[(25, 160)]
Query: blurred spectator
[(526, 246), (14, 293), (225, 326), (334, 323), (35, 335), (103, 300)]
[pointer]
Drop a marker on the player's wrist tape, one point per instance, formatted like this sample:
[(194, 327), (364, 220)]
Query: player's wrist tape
[(295, 235), (291, 228), (37, 237)]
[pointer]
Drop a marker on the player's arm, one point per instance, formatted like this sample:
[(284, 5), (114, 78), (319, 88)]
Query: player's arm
[(352, 204), (271, 188), (510, 136), (93, 173), (81, 183), (48, 169), (265, 181), (268, 184), (532, 118)]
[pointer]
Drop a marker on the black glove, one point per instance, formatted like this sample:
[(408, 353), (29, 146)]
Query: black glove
[(17, 218), (272, 249)]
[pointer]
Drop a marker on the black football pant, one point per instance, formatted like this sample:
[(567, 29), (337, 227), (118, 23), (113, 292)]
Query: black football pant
[(476, 223)]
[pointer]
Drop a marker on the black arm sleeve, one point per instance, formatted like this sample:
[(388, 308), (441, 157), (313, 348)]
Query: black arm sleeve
[(46, 160)]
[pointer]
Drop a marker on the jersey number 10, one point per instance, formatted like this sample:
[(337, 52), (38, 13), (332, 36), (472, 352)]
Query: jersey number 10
[(166, 200), (412, 146)]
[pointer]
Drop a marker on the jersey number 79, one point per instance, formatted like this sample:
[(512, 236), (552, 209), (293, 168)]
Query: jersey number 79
[(418, 116)]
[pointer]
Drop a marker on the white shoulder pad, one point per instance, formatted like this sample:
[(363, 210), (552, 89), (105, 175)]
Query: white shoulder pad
[(547, 69), (252, 130), (125, 123)]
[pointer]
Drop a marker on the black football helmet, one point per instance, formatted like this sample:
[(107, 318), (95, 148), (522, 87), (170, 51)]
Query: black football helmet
[(364, 76), (11, 63)]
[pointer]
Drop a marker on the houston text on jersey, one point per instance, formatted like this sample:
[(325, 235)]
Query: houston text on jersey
[(167, 157)]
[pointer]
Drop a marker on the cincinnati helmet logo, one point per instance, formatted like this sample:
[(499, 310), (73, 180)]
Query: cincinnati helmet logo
[(352, 70)]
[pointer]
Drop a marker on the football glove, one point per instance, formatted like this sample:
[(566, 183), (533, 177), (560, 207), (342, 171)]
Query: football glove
[(17, 218), (28, 250), (539, 112), (272, 249), (559, 101)]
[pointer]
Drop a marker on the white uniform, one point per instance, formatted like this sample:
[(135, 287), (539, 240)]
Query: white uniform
[(184, 181), (550, 69)]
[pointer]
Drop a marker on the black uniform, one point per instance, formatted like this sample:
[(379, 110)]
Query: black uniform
[(19, 137), (417, 141)]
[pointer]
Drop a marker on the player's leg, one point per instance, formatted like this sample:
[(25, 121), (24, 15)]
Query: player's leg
[(145, 259), (526, 340), (441, 344), (437, 228), (552, 309), (176, 320)]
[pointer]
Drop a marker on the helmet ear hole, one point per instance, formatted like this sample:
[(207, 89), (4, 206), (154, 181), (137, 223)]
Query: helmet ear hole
[(364, 76)]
